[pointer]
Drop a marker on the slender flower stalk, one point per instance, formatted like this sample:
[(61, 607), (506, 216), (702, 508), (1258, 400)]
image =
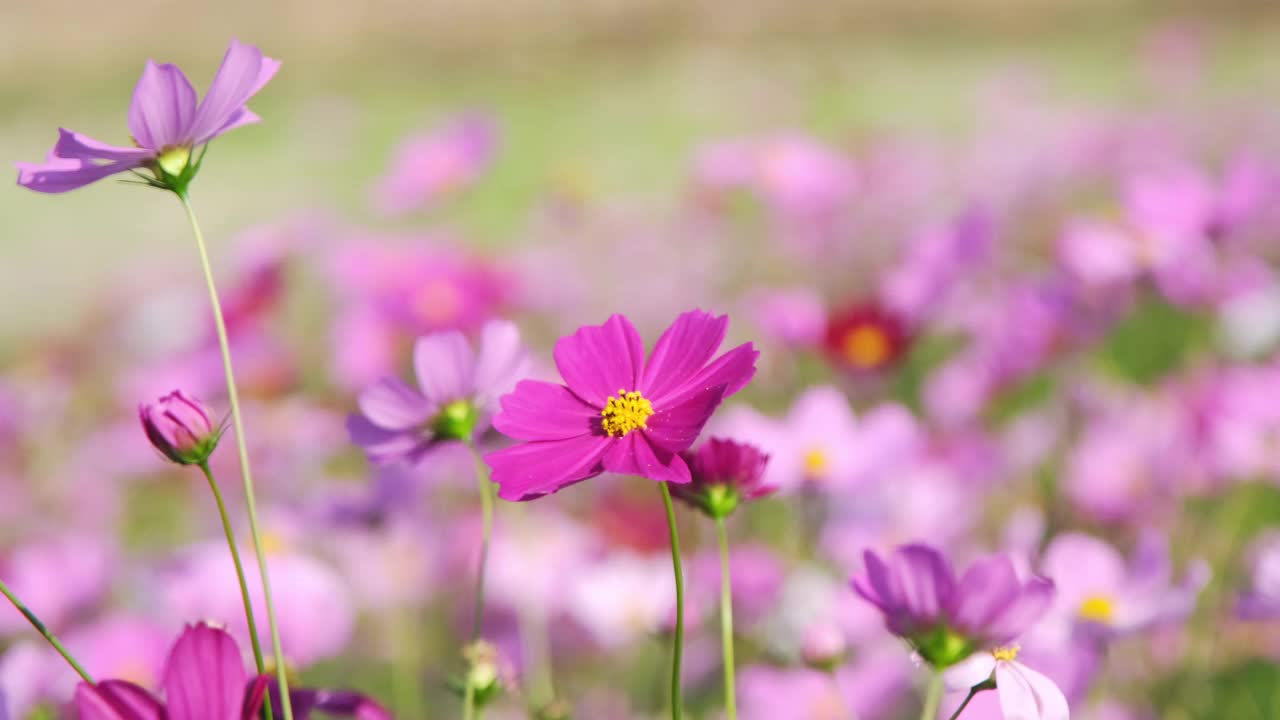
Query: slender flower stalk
[(984, 685), (242, 448), (469, 711), (932, 698), (726, 621), (45, 632), (486, 529), (677, 648)]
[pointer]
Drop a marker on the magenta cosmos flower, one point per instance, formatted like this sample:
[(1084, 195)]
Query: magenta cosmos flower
[(724, 473), (946, 618), (165, 122), (617, 411)]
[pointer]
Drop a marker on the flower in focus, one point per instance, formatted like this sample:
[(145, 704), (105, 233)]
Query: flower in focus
[(165, 123), (946, 619), (865, 338), (457, 392), (724, 473), (616, 411), (179, 427), (1024, 693), (432, 164)]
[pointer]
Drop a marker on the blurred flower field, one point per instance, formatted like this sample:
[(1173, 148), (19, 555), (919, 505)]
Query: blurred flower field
[(953, 365)]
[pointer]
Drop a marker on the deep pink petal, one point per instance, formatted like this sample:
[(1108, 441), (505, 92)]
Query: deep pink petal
[(244, 71), (255, 696), (116, 700), (445, 366), (393, 405), (204, 677), (530, 470), (545, 411), (683, 350), (59, 175), (732, 370), (676, 427), (599, 360), (76, 146), (633, 455), (163, 107)]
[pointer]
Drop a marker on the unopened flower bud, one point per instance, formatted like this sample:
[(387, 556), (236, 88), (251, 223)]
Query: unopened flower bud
[(824, 647), (179, 427)]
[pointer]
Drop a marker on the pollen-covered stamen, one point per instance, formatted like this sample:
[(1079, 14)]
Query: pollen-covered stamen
[(1098, 608), (625, 412), (1008, 653), (866, 346)]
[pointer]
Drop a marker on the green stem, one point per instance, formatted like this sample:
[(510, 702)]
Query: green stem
[(486, 529), (45, 632), (677, 648), (235, 558), (984, 685), (726, 622), (242, 448), (932, 698), (469, 701)]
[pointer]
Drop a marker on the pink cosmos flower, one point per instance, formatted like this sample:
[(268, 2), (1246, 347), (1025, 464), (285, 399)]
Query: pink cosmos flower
[(1024, 694), (617, 411), (165, 122), (434, 163)]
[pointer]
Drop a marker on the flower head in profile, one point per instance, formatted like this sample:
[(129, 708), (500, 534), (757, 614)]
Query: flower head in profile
[(724, 473), (179, 427), (457, 392), (945, 618), (1023, 693), (166, 123), (618, 411)]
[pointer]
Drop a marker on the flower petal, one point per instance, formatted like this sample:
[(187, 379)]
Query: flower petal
[(530, 470), (986, 589), (115, 700), (683, 350), (503, 360), (383, 445), (1027, 695), (733, 370), (163, 107), (972, 670), (76, 146), (394, 405), (675, 427), (1025, 610), (340, 703), (204, 676), (445, 367), (925, 580), (633, 455), (59, 175), (545, 411), (244, 71), (598, 360)]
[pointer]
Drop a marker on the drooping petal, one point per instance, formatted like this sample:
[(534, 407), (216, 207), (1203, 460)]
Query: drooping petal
[(116, 700), (633, 455), (545, 411), (676, 427), (1027, 695), (59, 175), (445, 366), (503, 360), (244, 71), (683, 350), (732, 370), (204, 677), (394, 405), (529, 470), (988, 587), (163, 107), (341, 703), (383, 445), (76, 146), (598, 360), (875, 586)]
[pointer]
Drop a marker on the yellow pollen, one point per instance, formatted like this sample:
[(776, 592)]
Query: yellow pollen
[(625, 412), (174, 160), (1009, 653), (816, 463), (273, 544), (866, 346), (1098, 608)]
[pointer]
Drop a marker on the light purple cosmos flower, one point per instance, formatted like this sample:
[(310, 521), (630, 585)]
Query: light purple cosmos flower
[(434, 163), (1262, 602), (457, 392), (1098, 588), (946, 618), (616, 411), (1024, 694), (165, 122)]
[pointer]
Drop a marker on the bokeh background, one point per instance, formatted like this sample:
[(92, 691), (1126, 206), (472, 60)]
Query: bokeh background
[(603, 111)]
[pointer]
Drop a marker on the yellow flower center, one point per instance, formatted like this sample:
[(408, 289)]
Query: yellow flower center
[(1009, 653), (1098, 608), (816, 463), (866, 346), (273, 543), (625, 412), (174, 160)]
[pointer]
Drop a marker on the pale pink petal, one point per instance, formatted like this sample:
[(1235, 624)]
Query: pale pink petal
[(244, 71), (503, 360), (445, 366), (1027, 695), (76, 146), (59, 175), (972, 670), (163, 107), (394, 405)]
